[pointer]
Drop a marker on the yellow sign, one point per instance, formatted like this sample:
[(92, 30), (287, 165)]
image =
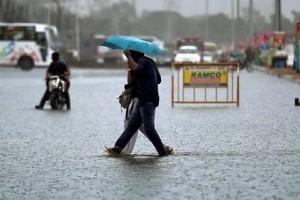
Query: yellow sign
[(205, 76)]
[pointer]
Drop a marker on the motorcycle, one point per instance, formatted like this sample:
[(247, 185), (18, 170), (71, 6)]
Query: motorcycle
[(57, 88)]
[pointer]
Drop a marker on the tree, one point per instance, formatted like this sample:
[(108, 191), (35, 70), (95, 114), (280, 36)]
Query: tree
[(59, 9), (7, 10), (287, 24), (296, 16), (163, 24)]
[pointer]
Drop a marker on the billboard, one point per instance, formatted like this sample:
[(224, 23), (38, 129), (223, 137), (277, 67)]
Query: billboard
[(199, 76)]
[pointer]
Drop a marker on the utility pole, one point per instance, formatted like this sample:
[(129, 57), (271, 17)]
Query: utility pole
[(49, 14), (29, 10), (251, 26), (77, 31), (238, 19), (59, 11), (232, 24), (206, 29), (134, 15), (277, 15), (133, 2), (238, 9), (169, 4)]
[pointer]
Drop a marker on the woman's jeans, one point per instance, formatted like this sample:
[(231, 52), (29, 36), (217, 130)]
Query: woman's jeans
[(143, 114)]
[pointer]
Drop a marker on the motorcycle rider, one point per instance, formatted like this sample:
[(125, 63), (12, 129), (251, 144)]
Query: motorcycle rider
[(58, 68)]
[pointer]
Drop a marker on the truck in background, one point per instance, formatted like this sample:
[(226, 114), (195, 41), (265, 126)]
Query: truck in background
[(191, 41)]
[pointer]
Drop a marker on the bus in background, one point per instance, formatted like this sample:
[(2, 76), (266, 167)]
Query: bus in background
[(26, 45), (195, 41)]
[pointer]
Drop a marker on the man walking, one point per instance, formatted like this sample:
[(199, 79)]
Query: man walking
[(147, 80)]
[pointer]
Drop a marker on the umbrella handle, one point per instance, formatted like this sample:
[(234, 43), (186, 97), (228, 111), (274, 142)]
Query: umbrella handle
[(157, 60)]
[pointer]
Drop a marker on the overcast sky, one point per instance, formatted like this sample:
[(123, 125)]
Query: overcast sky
[(196, 7)]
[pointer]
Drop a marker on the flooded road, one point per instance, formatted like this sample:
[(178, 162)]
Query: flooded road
[(223, 152)]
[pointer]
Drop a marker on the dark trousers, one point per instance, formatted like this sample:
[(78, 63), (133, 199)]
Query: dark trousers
[(143, 114), (47, 94)]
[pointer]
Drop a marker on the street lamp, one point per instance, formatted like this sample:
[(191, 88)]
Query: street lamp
[(238, 8)]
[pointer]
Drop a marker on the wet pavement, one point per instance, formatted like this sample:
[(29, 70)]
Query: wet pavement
[(223, 152)]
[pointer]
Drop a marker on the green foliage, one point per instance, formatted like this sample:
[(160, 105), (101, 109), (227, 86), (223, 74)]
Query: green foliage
[(296, 15)]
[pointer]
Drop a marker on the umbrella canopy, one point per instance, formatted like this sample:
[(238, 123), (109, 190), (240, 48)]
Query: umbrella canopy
[(133, 43)]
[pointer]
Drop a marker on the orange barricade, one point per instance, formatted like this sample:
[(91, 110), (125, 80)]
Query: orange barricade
[(205, 83)]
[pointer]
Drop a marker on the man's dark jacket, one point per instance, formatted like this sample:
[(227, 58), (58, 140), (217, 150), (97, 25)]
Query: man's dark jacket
[(147, 78)]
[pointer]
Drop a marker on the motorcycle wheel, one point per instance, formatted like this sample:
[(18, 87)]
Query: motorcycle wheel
[(54, 103)]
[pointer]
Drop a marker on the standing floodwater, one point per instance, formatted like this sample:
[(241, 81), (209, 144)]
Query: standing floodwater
[(224, 152)]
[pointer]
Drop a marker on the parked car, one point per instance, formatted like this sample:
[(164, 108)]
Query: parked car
[(187, 54), (208, 56), (210, 52), (239, 57)]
